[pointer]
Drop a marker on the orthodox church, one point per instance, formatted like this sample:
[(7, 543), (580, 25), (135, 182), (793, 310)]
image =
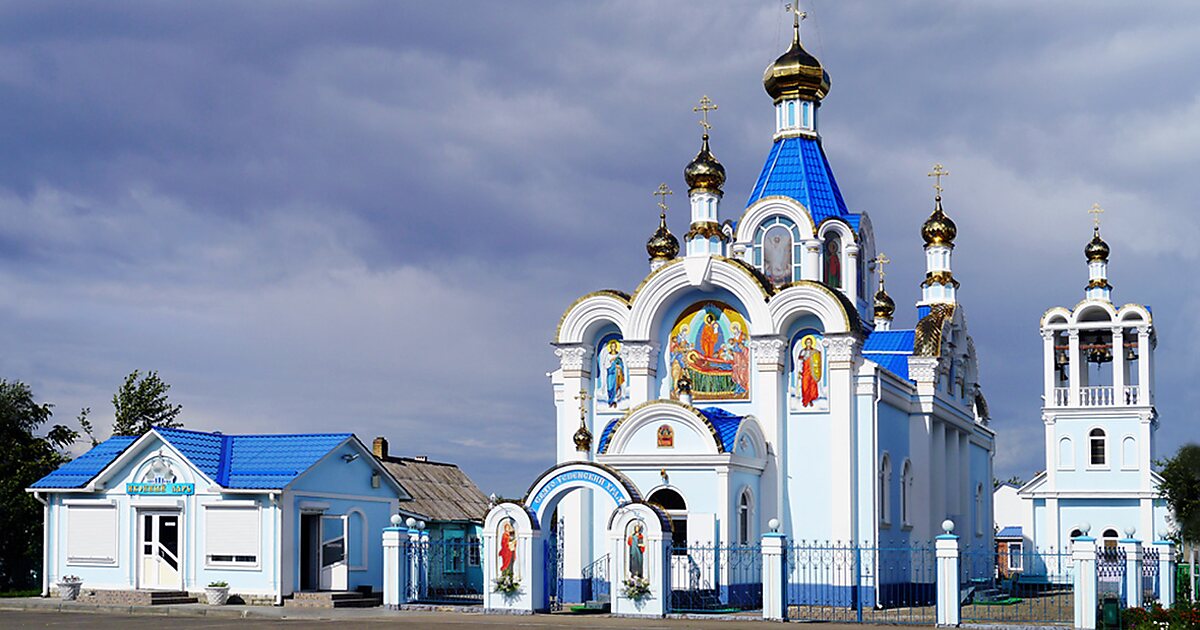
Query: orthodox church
[(755, 377)]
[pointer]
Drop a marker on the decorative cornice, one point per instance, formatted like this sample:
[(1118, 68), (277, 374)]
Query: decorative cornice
[(768, 350), (576, 358), (840, 348), (922, 369), (640, 355)]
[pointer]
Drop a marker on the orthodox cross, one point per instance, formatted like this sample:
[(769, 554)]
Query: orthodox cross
[(706, 105), (938, 173), (662, 193), (1096, 211), (794, 9), (582, 398), (880, 261)]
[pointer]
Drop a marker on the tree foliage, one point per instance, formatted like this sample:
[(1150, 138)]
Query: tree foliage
[(25, 458), (142, 403), (1181, 490)]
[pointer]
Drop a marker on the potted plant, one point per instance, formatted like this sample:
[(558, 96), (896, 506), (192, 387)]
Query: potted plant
[(635, 587), (217, 593), (68, 587)]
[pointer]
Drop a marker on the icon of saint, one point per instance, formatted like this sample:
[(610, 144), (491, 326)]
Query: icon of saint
[(637, 551), (615, 376), (710, 337), (808, 359), (508, 548)]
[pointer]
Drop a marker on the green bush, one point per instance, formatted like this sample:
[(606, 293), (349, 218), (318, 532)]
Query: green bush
[(1182, 616)]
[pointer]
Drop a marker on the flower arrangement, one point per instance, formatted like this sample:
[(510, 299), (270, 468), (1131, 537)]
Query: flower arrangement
[(507, 584), (218, 584), (635, 587), (70, 579)]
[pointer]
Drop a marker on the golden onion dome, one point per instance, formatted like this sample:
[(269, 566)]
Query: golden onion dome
[(662, 245), (885, 307), (796, 73), (938, 228), (704, 172), (1096, 249)]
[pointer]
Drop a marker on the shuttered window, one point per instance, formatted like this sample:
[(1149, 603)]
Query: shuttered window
[(92, 534), (232, 535)]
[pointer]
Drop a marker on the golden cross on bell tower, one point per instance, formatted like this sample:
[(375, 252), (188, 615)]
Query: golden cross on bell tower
[(706, 105), (938, 173), (582, 398), (794, 9), (662, 193), (880, 261), (1096, 211)]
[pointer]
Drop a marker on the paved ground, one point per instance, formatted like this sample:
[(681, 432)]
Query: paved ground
[(11, 617)]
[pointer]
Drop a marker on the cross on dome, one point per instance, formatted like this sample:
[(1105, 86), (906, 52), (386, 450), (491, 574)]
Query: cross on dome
[(794, 9), (582, 398), (662, 193), (938, 173), (880, 261), (706, 105), (1096, 211)]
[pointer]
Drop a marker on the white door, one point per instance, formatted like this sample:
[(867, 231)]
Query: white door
[(335, 574), (159, 551)]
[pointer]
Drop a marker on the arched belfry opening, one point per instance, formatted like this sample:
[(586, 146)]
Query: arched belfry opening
[(675, 507)]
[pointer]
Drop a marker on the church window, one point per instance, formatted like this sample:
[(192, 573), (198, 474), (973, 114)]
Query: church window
[(673, 504), (979, 509), (833, 261), (885, 475), (1110, 537), (777, 250), (1015, 559), (1097, 447), (744, 508), (905, 490), (791, 109), (806, 112)]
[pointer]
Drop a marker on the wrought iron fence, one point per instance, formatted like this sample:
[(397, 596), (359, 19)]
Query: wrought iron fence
[(553, 572), (716, 578), (1016, 585), (445, 571), (596, 586), (1150, 571), (890, 583), (1110, 574)]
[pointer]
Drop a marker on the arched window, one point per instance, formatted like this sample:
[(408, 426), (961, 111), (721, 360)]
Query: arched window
[(906, 479), (1066, 454), (979, 509), (885, 476), (676, 508), (1110, 537), (745, 508), (778, 250), (356, 539), (833, 260), (1129, 458), (1097, 447)]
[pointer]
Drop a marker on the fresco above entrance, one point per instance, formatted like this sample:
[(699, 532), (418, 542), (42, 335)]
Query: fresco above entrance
[(710, 345)]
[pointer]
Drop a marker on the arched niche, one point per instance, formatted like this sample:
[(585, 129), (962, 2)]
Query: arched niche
[(670, 286), (583, 321), (1093, 311), (806, 298), (513, 549), (639, 537)]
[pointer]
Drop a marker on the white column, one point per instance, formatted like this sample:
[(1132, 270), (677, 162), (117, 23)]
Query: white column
[(841, 351), (1084, 556), (966, 491), (774, 576), (948, 613), (811, 269), (937, 506), (850, 273), (642, 359), (1118, 365), (1166, 572), (1144, 358), (1048, 368), (1074, 361), (1053, 528), (1133, 572), (576, 362), (768, 353), (395, 569)]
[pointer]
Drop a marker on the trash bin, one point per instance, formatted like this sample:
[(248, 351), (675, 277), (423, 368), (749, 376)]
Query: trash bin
[(1110, 613)]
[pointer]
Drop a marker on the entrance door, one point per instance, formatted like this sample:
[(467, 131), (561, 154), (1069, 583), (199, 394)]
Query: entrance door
[(160, 551), (335, 573)]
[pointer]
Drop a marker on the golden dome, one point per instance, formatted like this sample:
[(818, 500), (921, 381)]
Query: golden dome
[(662, 245), (938, 228), (885, 307), (796, 73), (704, 172), (1096, 249)]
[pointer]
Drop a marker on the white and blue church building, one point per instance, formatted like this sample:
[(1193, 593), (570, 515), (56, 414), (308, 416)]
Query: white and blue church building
[(176, 510), (757, 376)]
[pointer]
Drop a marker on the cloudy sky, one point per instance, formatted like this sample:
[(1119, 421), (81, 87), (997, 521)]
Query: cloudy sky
[(329, 216)]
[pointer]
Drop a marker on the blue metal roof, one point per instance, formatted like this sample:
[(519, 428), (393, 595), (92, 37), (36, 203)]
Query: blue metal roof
[(233, 461), (79, 471), (725, 423), (890, 341), (895, 363), (798, 168), (606, 435), (1012, 531)]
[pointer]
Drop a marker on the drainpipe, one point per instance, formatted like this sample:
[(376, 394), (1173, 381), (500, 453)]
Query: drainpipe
[(45, 543), (275, 501)]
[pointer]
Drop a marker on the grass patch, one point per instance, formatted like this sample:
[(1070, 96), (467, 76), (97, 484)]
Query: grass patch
[(32, 592)]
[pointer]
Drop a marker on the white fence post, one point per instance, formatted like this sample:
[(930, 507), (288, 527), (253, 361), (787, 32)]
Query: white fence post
[(1166, 572), (1133, 570), (395, 564), (1084, 557), (948, 613), (774, 575)]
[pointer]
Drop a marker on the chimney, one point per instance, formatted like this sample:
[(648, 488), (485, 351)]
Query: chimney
[(380, 447)]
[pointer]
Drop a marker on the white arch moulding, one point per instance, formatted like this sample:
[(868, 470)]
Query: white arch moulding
[(671, 280), (655, 412), (806, 297), (775, 205), (558, 481), (591, 312)]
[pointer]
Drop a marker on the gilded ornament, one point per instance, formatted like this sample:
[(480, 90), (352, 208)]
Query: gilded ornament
[(927, 339), (1096, 249), (704, 172), (796, 73), (939, 277), (706, 229)]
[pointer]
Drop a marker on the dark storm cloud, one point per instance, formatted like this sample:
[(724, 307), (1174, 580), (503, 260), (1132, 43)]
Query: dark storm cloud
[(370, 216)]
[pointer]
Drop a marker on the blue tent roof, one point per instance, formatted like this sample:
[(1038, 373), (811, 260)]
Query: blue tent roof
[(890, 341), (79, 471), (798, 168), (725, 423), (233, 461), (1012, 531)]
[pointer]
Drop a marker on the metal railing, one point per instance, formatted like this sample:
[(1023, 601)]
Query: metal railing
[(1150, 570), (445, 571), (1035, 586), (1110, 574), (846, 582), (596, 583), (716, 578)]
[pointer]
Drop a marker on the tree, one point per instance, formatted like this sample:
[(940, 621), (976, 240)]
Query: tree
[(141, 403), (25, 458), (1181, 489)]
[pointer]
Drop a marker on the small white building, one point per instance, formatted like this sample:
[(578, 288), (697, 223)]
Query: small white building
[(174, 510)]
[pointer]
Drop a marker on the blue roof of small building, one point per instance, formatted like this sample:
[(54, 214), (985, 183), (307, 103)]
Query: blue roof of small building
[(233, 461), (798, 168), (725, 423), (1012, 531), (79, 471)]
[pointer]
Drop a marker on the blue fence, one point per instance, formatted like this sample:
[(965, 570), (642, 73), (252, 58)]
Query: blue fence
[(1110, 574), (445, 571), (596, 585), (861, 582), (716, 578), (1012, 585), (1150, 574)]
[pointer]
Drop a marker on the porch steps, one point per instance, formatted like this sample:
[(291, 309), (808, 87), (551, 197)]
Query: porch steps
[(334, 599), (166, 598)]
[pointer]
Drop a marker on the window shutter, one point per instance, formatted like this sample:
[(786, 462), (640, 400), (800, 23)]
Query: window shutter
[(92, 533), (232, 531)]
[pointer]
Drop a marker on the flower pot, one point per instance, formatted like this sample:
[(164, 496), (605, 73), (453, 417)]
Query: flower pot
[(217, 595), (69, 591)]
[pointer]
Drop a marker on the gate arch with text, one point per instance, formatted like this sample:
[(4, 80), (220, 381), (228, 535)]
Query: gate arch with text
[(545, 493)]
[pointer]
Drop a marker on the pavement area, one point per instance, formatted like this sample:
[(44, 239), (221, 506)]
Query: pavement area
[(49, 613)]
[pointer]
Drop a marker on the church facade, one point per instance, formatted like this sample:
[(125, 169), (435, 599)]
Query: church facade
[(755, 375)]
